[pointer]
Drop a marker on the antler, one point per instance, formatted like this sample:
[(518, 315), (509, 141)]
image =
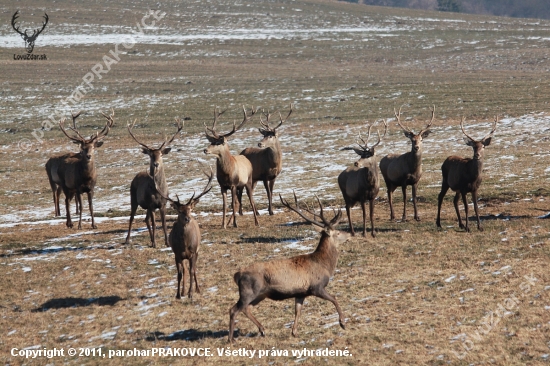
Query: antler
[(245, 119), (206, 189), (165, 143), (398, 118), (493, 130), (325, 223), (431, 121), (14, 20), (213, 129), (462, 127), (78, 138), (267, 127), (110, 121), (134, 137)]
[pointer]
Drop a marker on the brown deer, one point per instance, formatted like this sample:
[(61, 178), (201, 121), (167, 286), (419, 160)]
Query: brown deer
[(149, 188), (185, 238), (232, 172), (267, 159), (75, 173), (406, 169), (296, 277), (360, 182), (463, 175)]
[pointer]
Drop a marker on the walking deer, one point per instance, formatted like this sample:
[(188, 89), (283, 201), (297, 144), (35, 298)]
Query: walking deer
[(463, 175), (185, 238), (75, 173), (406, 169), (297, 277), (266, 159), (149, 188), (232, 172), (360, 183)]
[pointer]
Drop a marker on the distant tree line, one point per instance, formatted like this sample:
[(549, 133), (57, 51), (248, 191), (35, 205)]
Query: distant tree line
[(510, 8)]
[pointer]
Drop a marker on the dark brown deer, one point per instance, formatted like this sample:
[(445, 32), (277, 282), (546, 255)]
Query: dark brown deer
[(232, 172), (463, 175), (360, 182), (185, 238), (149, 187), (406, 169), (297, 277), (266, 159), (75, 173)]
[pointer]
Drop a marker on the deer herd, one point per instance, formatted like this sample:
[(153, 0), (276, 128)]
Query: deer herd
[(297, 277)]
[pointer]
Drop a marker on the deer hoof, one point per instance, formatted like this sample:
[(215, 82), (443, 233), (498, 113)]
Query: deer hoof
[(94, 226), (373, 233), (342, 324), (480, 228), (178, 296), (417, 218)]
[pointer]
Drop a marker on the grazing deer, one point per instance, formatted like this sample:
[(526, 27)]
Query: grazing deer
[(360, 183), (75, 173), (232, 172), (267, 160), (463, 175), (297, 277), (185, 238), (148, 189), (406, 169)]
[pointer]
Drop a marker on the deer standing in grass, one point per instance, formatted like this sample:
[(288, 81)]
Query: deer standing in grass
[(360, 182), (463, 176), (149, 188), (266, 160), (232, 172), (406, 169), (75, 173), (297, 277), (185, 238)]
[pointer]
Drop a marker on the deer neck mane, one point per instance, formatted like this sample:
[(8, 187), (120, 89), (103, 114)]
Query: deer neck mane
[(160, 180), (326, 252), (226, 161)]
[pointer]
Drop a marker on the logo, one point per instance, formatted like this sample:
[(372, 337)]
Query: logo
[(29, 39)]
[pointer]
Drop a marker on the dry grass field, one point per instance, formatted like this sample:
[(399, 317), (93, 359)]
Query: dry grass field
[(413, 295)]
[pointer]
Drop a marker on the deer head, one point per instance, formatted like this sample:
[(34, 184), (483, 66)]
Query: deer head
[(184, 209), (364, 151), (155, 154), (29, 40), (219, 141), (416, 139), (87, 146), (478, 145), (270, 133)]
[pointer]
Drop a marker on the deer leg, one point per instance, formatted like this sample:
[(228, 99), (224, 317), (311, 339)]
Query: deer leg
[(224, 196), (76, 207), (249, 192), (271, 183), (194, 259), (404, 190), (465, 201), (153, 229), (254, 320), (148, 223), (444, 189), (191, 270), (298, 302), (474, 198), (371, 212), (163, 220), (78, 198), (179, 266), (67, 201), (455, 203), (323, 294), (90, 205), (56, 193), (132, 214), (236, 309), (348, 212), (234, 202), (390, 201), (364, 209), (240, 199), (416, 217)]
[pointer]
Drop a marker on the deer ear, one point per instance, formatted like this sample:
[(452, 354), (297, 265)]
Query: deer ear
[(468, 141), (487, 141), (76, 142), (98, 143), (166, 151), (425, 134), (174, 205), (145, 151), (408, 134)]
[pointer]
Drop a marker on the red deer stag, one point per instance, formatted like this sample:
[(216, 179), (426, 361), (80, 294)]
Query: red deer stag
[(463, 175), (185, 238), (232, 172), (296, 277), (360, 183), (406, 169), (75, 173), (149, 188), (267, 159)]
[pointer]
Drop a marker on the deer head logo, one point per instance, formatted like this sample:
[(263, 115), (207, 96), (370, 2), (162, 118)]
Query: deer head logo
[(29, 39)]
